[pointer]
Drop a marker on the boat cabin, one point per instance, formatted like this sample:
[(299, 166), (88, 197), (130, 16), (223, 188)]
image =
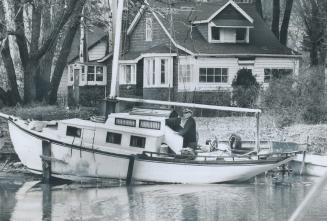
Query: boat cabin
[(139, 130)]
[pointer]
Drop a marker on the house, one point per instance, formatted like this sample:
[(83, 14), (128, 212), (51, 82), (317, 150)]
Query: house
[(86, 82), (193, 51)]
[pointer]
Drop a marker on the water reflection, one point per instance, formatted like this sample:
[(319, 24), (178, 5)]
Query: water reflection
[(262, 199)]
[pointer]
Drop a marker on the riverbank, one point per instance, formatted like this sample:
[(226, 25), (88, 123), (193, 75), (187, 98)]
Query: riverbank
[(208, 127)]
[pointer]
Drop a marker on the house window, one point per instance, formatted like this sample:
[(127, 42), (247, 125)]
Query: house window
[(127, 74), (275, 73), (137, 141), (163, 70), (71, 73), (185, 73), (90, 73), (73, 131), (213, 75), (114, 138), (99, 73), (148, 29), (240, 34), (157, 72), (215, 33)]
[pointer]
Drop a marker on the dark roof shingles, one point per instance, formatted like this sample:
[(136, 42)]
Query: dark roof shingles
[(262, 40)]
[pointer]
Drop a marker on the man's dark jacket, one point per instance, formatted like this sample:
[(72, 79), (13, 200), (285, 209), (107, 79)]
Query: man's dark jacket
[(188, 132)]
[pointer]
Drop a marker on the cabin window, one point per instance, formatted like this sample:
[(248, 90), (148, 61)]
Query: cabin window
[(158, 72), (213, 75), (114, 138), (150, 124), (137, 141), (185, 73), (276, 73), (215, 33), (125, 122), (148, 29), (73, 131), (127, 74)]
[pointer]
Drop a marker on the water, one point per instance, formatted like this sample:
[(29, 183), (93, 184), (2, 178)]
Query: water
[(263, 198)]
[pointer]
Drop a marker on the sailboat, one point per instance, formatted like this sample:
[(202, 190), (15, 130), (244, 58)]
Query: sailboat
[(128, 146)]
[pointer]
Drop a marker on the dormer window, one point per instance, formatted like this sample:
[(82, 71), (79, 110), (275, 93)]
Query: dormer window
[(215, 33), (240, 34), (228, 34)]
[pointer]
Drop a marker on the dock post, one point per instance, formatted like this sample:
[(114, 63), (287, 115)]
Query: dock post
[(46, 162), (129, 177), (257, 138)]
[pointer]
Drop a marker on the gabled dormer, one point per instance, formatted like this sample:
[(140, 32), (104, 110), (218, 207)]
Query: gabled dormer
[(228, 24)]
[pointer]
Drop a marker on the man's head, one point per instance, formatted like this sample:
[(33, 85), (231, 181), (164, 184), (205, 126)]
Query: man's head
[(187, 113)]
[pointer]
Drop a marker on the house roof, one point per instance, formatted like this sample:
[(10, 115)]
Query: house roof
[(262, 41), (232, 23), (94, 35), (133, 55)]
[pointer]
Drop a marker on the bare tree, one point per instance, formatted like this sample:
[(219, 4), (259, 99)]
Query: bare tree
[(276, 15), (12, 96), (285, 22), (32, 51), (64, 53)]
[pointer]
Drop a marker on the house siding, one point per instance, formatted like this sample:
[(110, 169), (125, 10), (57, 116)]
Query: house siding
[(137, 38), (262, 63), (229, 13), (89, 96), (158, 93), (97, 51)]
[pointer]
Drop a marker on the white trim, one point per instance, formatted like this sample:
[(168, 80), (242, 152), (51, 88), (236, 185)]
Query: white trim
[(135, 20), (240, 10), (152, 72), (169, 36), (147, 55)]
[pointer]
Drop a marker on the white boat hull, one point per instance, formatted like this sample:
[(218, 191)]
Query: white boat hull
[(67, 161), (198, 173), (314, 165)]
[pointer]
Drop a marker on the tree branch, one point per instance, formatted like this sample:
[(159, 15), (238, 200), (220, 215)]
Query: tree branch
[(48, 43)]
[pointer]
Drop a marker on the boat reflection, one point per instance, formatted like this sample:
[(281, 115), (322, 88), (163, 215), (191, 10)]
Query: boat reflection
[(262, 199)]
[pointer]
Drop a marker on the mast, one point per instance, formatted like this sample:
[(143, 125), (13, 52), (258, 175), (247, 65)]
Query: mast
[(117, 33)]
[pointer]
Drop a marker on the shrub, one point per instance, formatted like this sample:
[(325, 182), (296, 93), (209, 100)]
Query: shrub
[(245, 88)]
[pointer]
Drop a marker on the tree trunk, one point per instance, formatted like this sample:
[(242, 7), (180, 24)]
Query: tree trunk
[(44, 70), (258, 6), (63, 55), (275, 21), (11, 75), (285, 23)]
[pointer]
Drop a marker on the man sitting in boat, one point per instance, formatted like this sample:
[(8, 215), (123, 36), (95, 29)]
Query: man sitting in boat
[(188, 129)]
